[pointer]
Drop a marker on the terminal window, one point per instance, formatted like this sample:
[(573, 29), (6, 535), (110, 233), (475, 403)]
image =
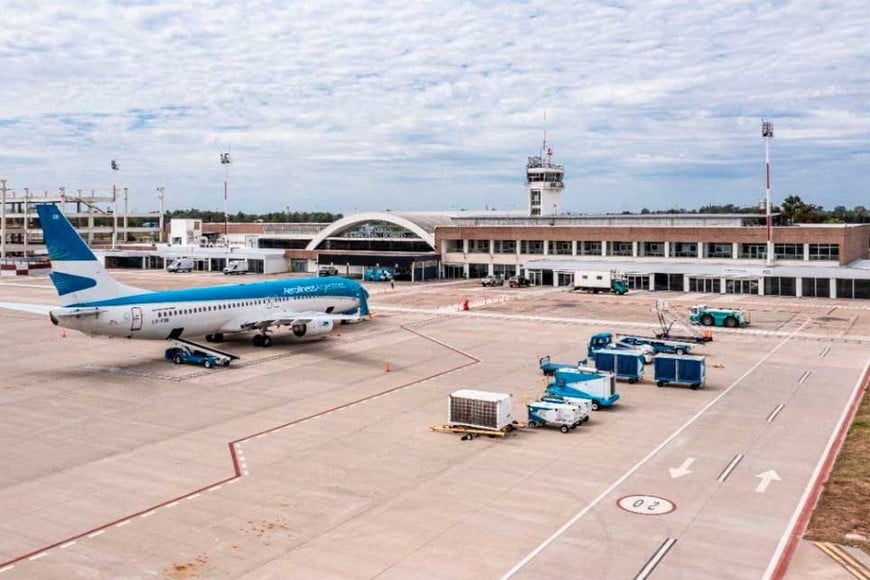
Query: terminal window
[(589, 248), (717, 250), (684, 249), (753, 251), (789, 251), (532, 247), (561, 248), (656, 249), (824, 251), (478, 246), (505, 247), (619, 248), (454, 245)]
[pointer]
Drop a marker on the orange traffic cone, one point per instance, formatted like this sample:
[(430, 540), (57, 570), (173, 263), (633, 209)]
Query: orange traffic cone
[(387, 367)]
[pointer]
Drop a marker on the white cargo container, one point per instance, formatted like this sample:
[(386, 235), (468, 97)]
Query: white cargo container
[(480, 409)]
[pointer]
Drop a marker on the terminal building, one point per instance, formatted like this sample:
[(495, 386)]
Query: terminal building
[(714, 253)]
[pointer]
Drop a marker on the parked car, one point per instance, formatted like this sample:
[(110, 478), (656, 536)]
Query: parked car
[(492, 281), (328, 271), (519, 282), (180, 355)]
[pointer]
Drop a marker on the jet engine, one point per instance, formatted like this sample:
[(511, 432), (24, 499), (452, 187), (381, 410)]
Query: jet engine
[(314, 328)]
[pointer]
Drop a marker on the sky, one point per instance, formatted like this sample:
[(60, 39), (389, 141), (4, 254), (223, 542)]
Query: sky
[(350, 106)]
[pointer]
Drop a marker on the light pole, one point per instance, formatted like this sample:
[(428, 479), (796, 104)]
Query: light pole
[(115, 167), (3, 220), (767, 135), (225, 161), (160, 218), (126, 221)]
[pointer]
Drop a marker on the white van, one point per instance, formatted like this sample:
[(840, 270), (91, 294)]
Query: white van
[(181, 265), (236, 267)]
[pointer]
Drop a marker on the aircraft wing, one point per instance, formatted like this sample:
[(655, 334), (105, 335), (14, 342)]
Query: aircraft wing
[(43, 309), (289, 318)]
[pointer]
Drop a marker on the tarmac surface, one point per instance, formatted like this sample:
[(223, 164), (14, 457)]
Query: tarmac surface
[(315, 459)]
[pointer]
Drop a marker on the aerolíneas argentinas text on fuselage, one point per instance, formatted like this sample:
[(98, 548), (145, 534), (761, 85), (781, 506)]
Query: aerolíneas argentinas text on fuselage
[(95, 303)]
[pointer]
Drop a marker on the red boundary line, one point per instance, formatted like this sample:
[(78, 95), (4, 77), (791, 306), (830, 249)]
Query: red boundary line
[(237, 472), (803, 519)]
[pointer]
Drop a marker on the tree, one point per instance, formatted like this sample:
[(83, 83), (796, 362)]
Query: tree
[(792, 205)]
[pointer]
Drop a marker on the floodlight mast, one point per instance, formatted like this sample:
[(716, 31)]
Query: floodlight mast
[(225, 160), (767, 135), (115, 167)]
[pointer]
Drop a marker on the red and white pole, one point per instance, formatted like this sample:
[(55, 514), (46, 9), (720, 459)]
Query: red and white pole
[(767, 134)]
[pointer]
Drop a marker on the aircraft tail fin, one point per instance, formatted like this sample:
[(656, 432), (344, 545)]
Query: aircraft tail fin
[(76, 273), (363, 302)]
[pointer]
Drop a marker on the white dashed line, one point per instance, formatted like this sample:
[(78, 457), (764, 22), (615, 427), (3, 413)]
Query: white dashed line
[(173, 504), (233, 481), (774, 413), (216, 488), (194, 496), (37, 556), (148, 514), (729, 468), (6, 568), (68, 545), (97, 533)]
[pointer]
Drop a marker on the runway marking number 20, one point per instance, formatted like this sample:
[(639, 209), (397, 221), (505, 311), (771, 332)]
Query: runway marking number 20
[(646, 505)]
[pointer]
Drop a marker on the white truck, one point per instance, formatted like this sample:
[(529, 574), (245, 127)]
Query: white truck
[(596, 281), (236, 267), (181, 265)]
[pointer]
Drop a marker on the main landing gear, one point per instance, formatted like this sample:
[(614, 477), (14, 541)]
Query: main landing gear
[(263, 340)]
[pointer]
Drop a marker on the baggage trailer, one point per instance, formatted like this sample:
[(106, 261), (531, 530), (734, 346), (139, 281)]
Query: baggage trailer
[(625, 364), (584, 383), (604, 340), (680, 370), (660, 346), (564, 415), (549, 368)]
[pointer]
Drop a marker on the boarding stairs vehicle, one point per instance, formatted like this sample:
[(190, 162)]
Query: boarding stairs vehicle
[(185, 351), (668, 319)]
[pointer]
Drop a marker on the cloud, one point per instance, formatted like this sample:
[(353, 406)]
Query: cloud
[(432, 105)]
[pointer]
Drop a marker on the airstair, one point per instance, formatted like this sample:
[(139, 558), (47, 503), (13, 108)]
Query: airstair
[(668, 319)]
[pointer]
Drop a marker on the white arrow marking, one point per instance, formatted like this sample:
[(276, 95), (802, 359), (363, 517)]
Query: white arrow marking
[(683, 469), (766, 478)]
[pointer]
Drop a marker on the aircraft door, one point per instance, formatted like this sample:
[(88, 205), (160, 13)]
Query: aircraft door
[(136, 318)]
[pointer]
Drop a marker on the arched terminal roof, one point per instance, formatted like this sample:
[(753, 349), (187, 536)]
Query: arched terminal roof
[(420, 224)]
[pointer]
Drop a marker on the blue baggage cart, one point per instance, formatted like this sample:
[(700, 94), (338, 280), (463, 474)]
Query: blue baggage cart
[(680, 370)]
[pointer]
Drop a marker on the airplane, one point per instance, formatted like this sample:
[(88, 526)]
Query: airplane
[(93, 302)]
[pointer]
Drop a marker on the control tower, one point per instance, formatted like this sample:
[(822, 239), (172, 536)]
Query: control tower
[(544, 180)]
